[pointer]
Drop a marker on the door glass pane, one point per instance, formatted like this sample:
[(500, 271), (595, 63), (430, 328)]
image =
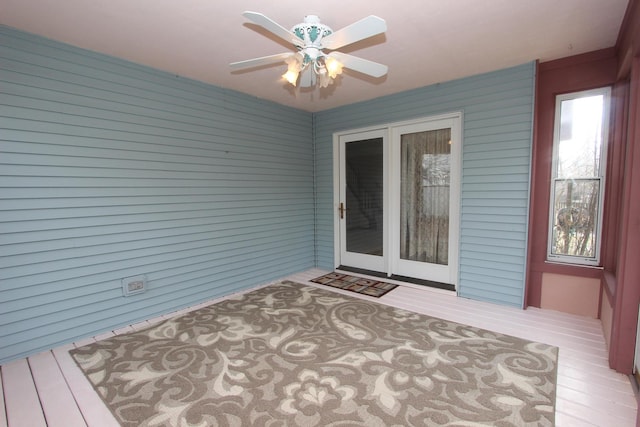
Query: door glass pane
[(425, 169), (364, 219)]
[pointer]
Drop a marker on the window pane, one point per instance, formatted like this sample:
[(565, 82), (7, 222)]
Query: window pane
[(575, 217), (580, 137)]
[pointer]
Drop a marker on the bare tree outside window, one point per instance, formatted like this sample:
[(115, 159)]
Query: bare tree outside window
[(576, 213), (577, 181)]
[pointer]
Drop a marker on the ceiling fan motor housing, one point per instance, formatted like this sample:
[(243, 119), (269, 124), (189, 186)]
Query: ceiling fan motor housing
[(311, 31)]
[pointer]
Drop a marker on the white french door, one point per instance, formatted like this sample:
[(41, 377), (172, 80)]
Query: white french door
[(363, 171), (397, 198), (424, 205)]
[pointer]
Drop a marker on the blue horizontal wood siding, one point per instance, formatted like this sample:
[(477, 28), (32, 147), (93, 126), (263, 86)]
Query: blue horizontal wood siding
[(497, 133), (110, 170)]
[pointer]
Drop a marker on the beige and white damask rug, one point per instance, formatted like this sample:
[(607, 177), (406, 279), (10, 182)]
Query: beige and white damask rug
[(293, 355)]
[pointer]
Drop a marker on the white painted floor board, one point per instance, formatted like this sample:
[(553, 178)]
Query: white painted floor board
[(21, 397), (94, 411), (57, 402), (588, 392), (3, 413)]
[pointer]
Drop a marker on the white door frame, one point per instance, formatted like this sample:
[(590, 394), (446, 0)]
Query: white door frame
[(391, 216)]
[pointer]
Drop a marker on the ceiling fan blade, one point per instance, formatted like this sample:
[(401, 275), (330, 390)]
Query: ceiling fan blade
[(265, 60), (272, 26), (362, 29), (364, 66)]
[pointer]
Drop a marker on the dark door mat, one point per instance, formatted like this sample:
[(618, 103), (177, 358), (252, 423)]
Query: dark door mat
[(360, 285)]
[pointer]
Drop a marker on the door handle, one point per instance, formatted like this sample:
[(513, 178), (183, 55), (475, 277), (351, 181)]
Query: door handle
[(341, 209)]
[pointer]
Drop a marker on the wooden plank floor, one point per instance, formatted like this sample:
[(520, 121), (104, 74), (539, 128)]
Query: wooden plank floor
[(47, 389)]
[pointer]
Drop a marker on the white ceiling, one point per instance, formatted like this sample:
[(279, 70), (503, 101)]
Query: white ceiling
[(427, 41)]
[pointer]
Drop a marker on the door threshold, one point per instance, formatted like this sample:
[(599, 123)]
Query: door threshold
[(429, 283), (362, 271), (412, 280)]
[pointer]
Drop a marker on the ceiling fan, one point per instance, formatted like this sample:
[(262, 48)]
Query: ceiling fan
[(311, 64)]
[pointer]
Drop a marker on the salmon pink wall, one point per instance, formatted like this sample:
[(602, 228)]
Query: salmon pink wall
[(587, 71), (606, 317), (571, 294), (618, 67), (627, 290)]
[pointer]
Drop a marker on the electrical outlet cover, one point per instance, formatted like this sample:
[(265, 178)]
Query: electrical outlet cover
[(134, 285)]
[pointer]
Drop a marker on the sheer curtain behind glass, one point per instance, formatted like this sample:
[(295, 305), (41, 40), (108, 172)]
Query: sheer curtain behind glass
[(424, 196)]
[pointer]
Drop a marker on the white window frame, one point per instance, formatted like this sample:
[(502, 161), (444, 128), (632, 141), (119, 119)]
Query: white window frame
[(572, 259)]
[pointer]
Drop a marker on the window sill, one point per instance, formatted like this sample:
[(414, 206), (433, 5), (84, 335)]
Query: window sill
[(570, 264), (579, 270)]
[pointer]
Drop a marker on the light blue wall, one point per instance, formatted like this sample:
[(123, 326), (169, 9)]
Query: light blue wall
[(109, 170), (497, 133)]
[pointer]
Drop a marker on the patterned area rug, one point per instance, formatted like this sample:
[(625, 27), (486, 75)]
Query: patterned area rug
[(359, 285), (295, 355)]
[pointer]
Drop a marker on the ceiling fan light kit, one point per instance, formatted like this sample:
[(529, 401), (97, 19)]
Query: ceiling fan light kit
[(322, 66), (311, 65)]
